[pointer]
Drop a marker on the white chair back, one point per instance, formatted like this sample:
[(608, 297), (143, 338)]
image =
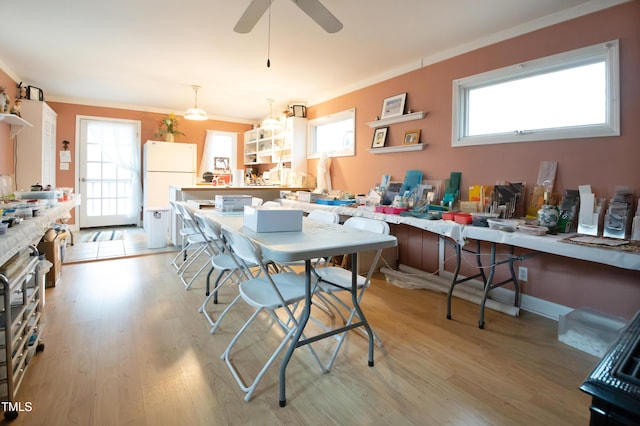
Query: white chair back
[(366, 224), (324, 216)]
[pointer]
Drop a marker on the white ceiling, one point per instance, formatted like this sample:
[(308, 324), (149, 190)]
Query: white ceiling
[(146, 54)]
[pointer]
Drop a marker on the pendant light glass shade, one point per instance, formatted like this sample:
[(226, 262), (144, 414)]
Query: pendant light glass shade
[(270, 123), (196, 113)]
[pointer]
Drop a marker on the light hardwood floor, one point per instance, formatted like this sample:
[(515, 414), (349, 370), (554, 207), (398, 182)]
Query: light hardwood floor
[(125, 345)]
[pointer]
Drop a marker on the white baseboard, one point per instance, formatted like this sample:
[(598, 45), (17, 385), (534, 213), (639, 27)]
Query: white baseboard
[(502, 295)]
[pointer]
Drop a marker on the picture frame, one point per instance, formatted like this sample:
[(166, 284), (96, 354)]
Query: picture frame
[(393, 106), (411, 137), (379, 137), (221, 163)]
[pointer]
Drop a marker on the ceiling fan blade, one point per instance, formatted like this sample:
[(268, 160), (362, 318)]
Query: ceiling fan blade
[(250, 17), (319, 14)]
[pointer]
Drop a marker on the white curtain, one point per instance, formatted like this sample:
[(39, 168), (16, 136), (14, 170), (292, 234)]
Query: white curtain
[(120, 147)]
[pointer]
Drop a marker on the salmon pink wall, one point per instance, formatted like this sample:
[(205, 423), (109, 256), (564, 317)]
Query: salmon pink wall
[(601, 162)]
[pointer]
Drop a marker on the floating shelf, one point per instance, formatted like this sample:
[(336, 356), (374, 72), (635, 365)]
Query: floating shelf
[(16, 123), (398, 119), (399, 148)]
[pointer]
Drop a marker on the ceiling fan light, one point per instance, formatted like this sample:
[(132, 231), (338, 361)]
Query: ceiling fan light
[(196, 113)]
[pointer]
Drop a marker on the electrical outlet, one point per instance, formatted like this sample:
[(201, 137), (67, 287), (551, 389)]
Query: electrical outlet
[(523, 273)]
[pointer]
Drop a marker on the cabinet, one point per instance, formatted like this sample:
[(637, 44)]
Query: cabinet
[(20, 328), (286, 143), (36, 146)]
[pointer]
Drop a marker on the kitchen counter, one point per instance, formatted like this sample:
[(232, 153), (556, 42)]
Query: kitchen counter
[(31, 230)]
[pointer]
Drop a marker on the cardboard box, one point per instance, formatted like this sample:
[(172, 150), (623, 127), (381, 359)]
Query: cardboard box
[(272, 219), (51, 246), (227, 203)]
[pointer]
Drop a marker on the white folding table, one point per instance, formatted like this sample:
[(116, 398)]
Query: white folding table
[(317, 239)]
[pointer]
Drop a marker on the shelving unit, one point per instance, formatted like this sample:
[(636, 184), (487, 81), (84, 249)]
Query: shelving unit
[(398, 119), (15, 122), (22, 289), (262, 146), (400, 148), (287, 143)]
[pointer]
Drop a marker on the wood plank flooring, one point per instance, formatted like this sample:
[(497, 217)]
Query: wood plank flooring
[(125, 345)]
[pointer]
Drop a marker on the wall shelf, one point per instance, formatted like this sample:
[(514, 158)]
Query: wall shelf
[(399, 148), (398, 119), (15, 122)]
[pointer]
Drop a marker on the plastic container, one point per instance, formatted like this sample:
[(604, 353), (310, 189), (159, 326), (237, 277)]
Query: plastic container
[(448, 215), (532, 229), (480, 219), (589, 330), (508, 225), (395, 210), (463, 218), (157, 227)]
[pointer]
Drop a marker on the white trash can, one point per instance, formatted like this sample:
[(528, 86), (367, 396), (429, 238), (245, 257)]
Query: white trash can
[(157, 226)]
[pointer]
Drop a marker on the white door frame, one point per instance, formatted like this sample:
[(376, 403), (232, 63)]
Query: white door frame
[(77, 157)]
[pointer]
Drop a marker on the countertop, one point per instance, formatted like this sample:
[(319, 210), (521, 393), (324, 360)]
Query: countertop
[(31, 230)]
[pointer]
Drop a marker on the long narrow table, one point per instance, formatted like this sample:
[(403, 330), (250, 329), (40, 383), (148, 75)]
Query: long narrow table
[(317, 239), (459, 237)]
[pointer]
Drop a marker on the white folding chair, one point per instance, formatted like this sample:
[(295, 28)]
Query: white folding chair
[(199, 241), (334, 279), (280, 291), (185, 231), (225, 263)]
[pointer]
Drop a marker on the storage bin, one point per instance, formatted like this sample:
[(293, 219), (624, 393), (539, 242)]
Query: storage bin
[(308, 197), (157, 227), (266, 219), (589, 330)]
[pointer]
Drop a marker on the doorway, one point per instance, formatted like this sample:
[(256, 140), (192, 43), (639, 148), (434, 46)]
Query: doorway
[(109, 171)]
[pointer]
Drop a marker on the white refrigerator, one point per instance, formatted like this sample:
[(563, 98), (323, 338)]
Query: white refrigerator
[(166, 164)]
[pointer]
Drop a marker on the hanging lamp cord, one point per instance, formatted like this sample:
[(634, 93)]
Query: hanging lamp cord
[(269, 38)]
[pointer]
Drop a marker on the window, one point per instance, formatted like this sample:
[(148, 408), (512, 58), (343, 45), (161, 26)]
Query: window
[(333, 134), (570, 95), (219, 149)]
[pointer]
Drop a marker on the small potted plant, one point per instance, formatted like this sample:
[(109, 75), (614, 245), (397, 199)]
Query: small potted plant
[(169, 128)]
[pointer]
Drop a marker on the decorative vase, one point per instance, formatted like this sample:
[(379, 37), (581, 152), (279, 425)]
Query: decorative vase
[(548, 216), (169, 137)]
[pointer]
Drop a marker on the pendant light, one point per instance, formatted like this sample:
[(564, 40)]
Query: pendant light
[(196, 113), (270, 123)]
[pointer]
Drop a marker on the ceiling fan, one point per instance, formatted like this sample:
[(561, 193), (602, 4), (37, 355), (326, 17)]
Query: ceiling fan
[(313, 8)]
